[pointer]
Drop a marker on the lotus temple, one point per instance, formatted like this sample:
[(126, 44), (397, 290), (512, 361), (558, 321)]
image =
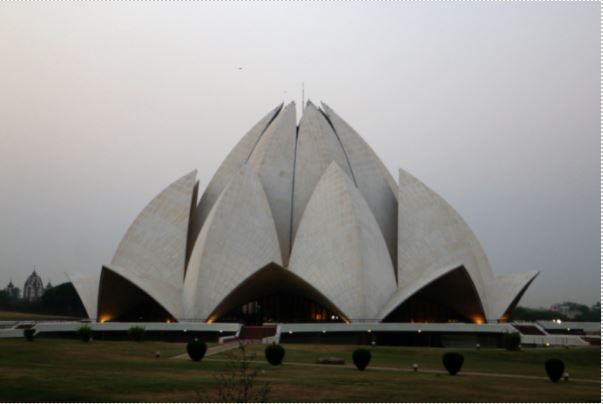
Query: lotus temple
[(301, 224)]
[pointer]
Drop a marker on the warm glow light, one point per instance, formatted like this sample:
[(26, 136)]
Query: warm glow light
[(477, 320), (168, 321), (103, 318)]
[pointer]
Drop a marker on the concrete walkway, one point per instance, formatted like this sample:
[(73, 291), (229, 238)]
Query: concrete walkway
[(429, 371), (213, 350)]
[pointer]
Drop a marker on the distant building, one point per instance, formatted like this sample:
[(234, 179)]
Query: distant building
[(567, 310), (13, 292), (48, 286), (33, 288)]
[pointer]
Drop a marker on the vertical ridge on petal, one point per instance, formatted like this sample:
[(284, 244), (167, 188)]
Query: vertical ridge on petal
[(272, 161), (372, 178), (317, 148)]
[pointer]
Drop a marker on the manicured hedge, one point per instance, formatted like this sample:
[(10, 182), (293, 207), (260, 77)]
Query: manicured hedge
[(554, 369), (453, 362), (28, 333), (361, 358), (274, 354), (136, 333), (511, 341), (196, 349), (85, 333)]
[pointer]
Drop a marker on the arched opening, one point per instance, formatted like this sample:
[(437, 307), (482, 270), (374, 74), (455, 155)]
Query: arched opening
[(121, 300), (275, 294), (450, 298)]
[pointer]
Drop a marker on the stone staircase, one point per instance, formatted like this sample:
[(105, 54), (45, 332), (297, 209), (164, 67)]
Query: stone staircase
[(257, 333)]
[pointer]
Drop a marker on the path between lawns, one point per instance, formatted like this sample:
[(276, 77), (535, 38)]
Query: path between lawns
[(383, 368), (213, 350)]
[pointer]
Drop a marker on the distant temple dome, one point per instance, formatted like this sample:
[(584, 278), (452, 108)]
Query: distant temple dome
[(33, 288), (300, 223)]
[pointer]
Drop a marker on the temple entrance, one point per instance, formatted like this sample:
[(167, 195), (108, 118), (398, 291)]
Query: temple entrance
[(450, 298), (280, 308), (275, 294)]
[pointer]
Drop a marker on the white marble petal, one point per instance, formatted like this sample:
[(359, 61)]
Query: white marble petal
[(504, 292), (86, 287), (229, 168), (373, 180), (238, 239), (432, 235), (272, 160), (317, 148), (339, 249), (153, 249)]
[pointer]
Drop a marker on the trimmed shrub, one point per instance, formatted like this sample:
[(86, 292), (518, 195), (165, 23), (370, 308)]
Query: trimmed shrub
[(274, 354), (453, 362), (511, 341), (554, 369), (196, 350), (85, 333), (361, 358), (28, 333), (136, 333)]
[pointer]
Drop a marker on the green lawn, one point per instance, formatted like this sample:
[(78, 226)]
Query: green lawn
[(70, 370), (579, 362)]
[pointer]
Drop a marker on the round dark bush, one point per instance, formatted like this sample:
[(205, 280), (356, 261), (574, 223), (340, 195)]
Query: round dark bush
[(274, 354), (136, 333), (85, 333), (453, 362), (361, 358), (554, 369), (511, 341), (28, 333), (196, 350)]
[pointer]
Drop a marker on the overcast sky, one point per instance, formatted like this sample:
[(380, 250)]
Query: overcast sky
[(496, 106)]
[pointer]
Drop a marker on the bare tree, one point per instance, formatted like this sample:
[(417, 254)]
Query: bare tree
[(239, 383)]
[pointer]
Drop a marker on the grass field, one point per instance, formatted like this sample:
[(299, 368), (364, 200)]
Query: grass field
[(70, 370)]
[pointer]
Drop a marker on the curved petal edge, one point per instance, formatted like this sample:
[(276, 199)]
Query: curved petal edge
[(340, 250)]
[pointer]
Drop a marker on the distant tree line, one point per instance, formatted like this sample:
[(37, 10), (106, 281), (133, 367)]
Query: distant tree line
[(61, 300), (584, 313)]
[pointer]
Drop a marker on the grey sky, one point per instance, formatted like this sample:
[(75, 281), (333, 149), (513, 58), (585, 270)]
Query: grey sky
[(496, 106)]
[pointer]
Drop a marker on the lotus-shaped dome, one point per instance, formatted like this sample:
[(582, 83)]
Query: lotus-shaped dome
[(300, 223)]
